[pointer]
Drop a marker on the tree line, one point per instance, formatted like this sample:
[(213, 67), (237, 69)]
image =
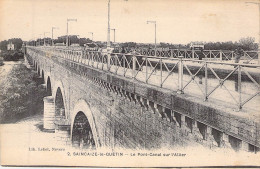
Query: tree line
[(73, 39), (247, 43), (11, 55), (18, 42)]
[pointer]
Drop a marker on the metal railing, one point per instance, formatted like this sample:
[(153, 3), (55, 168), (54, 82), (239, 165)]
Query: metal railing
[(210, 80), (220, 55)]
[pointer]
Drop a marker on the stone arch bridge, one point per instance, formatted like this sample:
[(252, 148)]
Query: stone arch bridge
[(93, 108)]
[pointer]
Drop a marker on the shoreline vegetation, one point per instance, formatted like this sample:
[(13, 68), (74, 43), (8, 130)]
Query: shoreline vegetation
[(20, 95), (14, 55), (1, 61)]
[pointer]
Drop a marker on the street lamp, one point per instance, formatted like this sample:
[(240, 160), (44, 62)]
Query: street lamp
[(114, 34), (154, 22), (44, 38), (257, 3), (52, 34), (40, 39), (68, 20), (92, 35), (108, 25), (35, 39)]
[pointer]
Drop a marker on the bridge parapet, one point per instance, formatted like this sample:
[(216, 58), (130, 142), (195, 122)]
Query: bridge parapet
[(119, 73)]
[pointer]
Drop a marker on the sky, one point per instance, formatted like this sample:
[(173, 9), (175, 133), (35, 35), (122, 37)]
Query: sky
[(177, 21)]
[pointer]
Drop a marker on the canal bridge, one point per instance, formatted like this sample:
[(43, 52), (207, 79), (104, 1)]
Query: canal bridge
[(114, 100)]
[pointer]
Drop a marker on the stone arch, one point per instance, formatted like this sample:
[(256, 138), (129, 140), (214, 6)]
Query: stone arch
[(82, 109), (82, 135), (46, 76), (42, 75), (39, 71), (48, 86), (61, 92), (59, 105), (36, 66)]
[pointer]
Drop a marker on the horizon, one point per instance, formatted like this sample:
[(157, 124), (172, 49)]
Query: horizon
[(151, 43), (205, 21)]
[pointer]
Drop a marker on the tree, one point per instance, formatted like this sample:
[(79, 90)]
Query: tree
[(3, 45), (129, 44), (83, 41), (248, 43), (16, 41)]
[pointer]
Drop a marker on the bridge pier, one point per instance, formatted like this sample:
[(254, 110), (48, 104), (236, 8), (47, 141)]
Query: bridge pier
[(49, 113), (62, 131)]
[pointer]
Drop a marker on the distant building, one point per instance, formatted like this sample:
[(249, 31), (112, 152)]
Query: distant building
[(59, 44), (10, 46), (91, 46), (74, 44), (196, 46)]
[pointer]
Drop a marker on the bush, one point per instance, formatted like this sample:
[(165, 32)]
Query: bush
[(11, 55), (1, 61), (19, 95)]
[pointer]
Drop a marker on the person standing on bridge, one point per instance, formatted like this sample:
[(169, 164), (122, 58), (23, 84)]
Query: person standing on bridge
[(200, 54), (123, 50), (238, 54)]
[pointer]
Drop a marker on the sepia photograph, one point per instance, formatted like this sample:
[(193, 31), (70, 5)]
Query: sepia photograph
[(130, 83)]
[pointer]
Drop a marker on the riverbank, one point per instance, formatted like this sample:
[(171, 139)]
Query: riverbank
[(20, 96)]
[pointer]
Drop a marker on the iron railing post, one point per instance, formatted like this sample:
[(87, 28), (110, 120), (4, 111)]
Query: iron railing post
[(134, 66), (206, 81), (180, 75), (146, 69), (124, 58), (102, 60), (89, 58), (161, 72), (171, 53), (239, 87), (108, 61)]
